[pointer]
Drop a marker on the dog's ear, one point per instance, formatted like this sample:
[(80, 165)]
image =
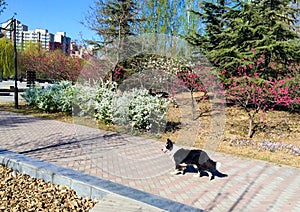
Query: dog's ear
[(168, 140)]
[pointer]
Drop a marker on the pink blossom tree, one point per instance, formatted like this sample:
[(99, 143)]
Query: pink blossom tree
[(51, 64), (200, 79), (61, 66), (255, 94)]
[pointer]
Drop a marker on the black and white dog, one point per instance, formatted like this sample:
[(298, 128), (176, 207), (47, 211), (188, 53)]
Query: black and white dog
[(198, 158)]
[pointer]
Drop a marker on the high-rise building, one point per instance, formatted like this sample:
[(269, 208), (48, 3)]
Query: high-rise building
[(47, 40), (41, 36), (61, 41)]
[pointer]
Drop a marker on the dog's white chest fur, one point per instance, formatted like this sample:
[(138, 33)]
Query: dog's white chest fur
[(173, 151)]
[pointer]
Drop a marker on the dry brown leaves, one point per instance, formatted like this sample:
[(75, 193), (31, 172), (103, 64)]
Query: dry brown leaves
[(20, 192)]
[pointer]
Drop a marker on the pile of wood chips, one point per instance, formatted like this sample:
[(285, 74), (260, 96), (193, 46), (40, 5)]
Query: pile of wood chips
[(20, 192)]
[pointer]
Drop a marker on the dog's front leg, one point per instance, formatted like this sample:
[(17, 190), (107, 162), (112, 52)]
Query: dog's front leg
[(177, 170)]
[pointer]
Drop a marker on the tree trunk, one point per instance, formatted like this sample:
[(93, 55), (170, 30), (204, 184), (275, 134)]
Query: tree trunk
[(193, 105), (250, 126)]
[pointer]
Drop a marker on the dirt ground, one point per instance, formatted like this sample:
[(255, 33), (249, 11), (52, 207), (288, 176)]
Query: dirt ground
[(276, 136)]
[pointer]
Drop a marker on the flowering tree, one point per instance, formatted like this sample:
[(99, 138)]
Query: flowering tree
[(31, 60), (51, 64), (201, 79), (256, 94), (189, 79), (61, 66), (94, 68)]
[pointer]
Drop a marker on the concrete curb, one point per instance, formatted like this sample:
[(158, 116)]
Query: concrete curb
[(85, 185)]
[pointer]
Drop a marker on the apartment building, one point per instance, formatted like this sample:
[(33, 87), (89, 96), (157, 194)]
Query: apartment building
[(41, 36), (48, 41), (61, 41)]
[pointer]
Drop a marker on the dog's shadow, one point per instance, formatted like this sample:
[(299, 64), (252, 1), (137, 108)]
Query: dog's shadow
[(192, 169)]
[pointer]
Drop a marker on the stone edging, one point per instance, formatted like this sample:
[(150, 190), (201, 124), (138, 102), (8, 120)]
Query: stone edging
[(85, 185)]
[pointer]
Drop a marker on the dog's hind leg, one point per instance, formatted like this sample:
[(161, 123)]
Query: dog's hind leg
[(200, 171), (213, 168)]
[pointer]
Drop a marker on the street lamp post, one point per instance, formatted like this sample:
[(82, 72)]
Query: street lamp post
[(13, 28)]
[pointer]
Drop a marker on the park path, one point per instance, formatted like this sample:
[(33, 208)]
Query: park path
[(251, 185)]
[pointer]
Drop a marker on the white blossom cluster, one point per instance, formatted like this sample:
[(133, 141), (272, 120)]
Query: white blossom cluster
[(168, 65), (132, 109), (139, 110), (136, 108), (54, 98)]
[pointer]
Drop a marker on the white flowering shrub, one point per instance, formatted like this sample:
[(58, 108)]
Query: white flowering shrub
[(155, 62), (54, 98), (67, 99), (84, 99), (30, 96), (94, 99), (140, 110), (136, 109), (103, 101)]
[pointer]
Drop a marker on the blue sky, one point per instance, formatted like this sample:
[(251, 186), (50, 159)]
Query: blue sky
[(54, 15)]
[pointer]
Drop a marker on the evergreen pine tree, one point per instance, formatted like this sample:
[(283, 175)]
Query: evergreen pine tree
[(233, 29), (112, 20)]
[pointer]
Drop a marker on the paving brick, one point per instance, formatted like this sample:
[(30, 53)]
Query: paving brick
[(139, 163)]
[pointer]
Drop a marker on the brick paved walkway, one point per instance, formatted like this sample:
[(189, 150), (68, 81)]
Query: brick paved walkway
[(137, 162)]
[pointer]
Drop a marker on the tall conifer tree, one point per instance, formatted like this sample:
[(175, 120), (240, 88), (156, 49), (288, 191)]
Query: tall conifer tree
[(112, 20), (232, 29)]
